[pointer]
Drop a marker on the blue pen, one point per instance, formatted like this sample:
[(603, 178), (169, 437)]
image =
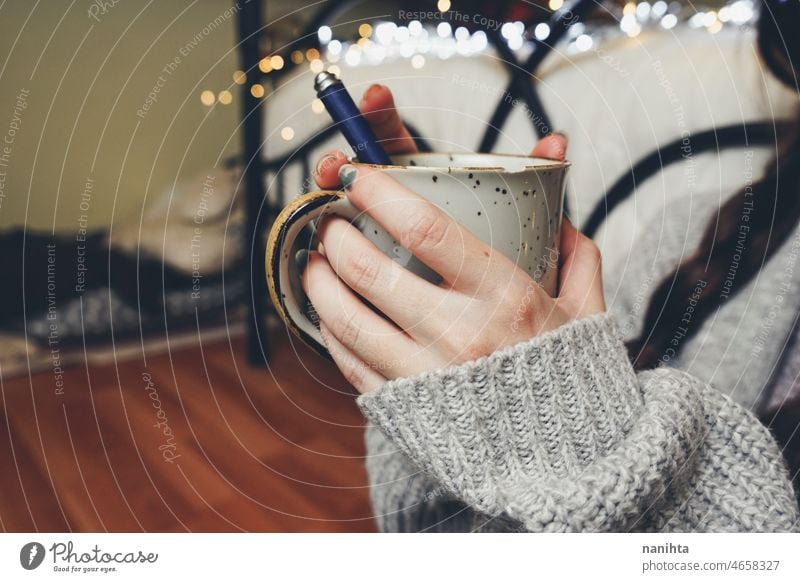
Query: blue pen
[(347, 117)]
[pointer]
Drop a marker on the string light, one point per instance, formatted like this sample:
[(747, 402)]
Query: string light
[(384, 32), (629, 25), (334, 48), (584, 42), (712, 23), (697, 20), (576, 30), (479, 41), (317, 106), (742, 11), (353, 56), (325, 34), (542, 31), (669, 21), (659, 9), (287, 133), (512, 32), (365, 30), (402, 34), (225, 97), (384, 40), (207, 98)]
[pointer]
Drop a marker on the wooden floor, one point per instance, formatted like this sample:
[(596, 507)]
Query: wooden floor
[(253, 449)]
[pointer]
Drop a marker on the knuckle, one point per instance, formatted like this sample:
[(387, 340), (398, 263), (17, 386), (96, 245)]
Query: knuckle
[(348, 329), (354, 374), (524, 306), (474, 349), (425, 229), (363, 270), (465, 343)]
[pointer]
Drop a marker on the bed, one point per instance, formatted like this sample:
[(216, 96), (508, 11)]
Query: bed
[(643, 114)]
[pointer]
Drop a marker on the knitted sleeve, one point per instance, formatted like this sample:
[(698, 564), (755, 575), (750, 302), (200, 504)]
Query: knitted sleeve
[(405, 498), (560, 434)]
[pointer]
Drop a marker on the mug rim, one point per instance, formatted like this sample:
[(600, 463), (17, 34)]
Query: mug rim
[(550, 165)]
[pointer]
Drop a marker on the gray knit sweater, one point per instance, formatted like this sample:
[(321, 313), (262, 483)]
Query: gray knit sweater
[(560, 434)]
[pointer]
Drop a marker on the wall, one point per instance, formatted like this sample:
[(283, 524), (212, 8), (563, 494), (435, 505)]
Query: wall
[(78, 138)]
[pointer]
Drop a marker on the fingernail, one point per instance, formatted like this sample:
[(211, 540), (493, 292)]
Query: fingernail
[(371, 88), (347, 175), (301, 260), (324, 162)]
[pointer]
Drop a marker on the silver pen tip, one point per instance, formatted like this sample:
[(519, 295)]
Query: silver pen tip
[(323, 80)]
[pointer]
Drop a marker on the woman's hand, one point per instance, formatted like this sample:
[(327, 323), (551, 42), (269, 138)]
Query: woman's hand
[(484, 303)]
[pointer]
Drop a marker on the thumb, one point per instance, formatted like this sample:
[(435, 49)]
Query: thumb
[(551, 147), (379, 109), (581, 281)]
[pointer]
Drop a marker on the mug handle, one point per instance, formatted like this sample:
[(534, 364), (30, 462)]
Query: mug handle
[(283, 275)]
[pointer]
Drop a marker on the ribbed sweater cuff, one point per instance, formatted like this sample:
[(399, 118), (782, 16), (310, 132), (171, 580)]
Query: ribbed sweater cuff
[(545, 407)]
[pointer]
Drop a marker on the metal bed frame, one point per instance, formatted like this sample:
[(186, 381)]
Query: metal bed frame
[(260, 211)]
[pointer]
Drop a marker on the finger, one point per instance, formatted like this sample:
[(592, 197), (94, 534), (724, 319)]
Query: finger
[(551, 147), (379, 109), (581, 281), (463, 260), (356, 371), (412, 303), (326, 172), (369, 336)]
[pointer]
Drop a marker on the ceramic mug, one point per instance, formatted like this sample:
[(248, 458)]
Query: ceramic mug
[(512, 203)]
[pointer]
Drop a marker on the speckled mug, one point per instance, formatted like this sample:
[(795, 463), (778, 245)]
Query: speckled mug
[(512, 203)]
